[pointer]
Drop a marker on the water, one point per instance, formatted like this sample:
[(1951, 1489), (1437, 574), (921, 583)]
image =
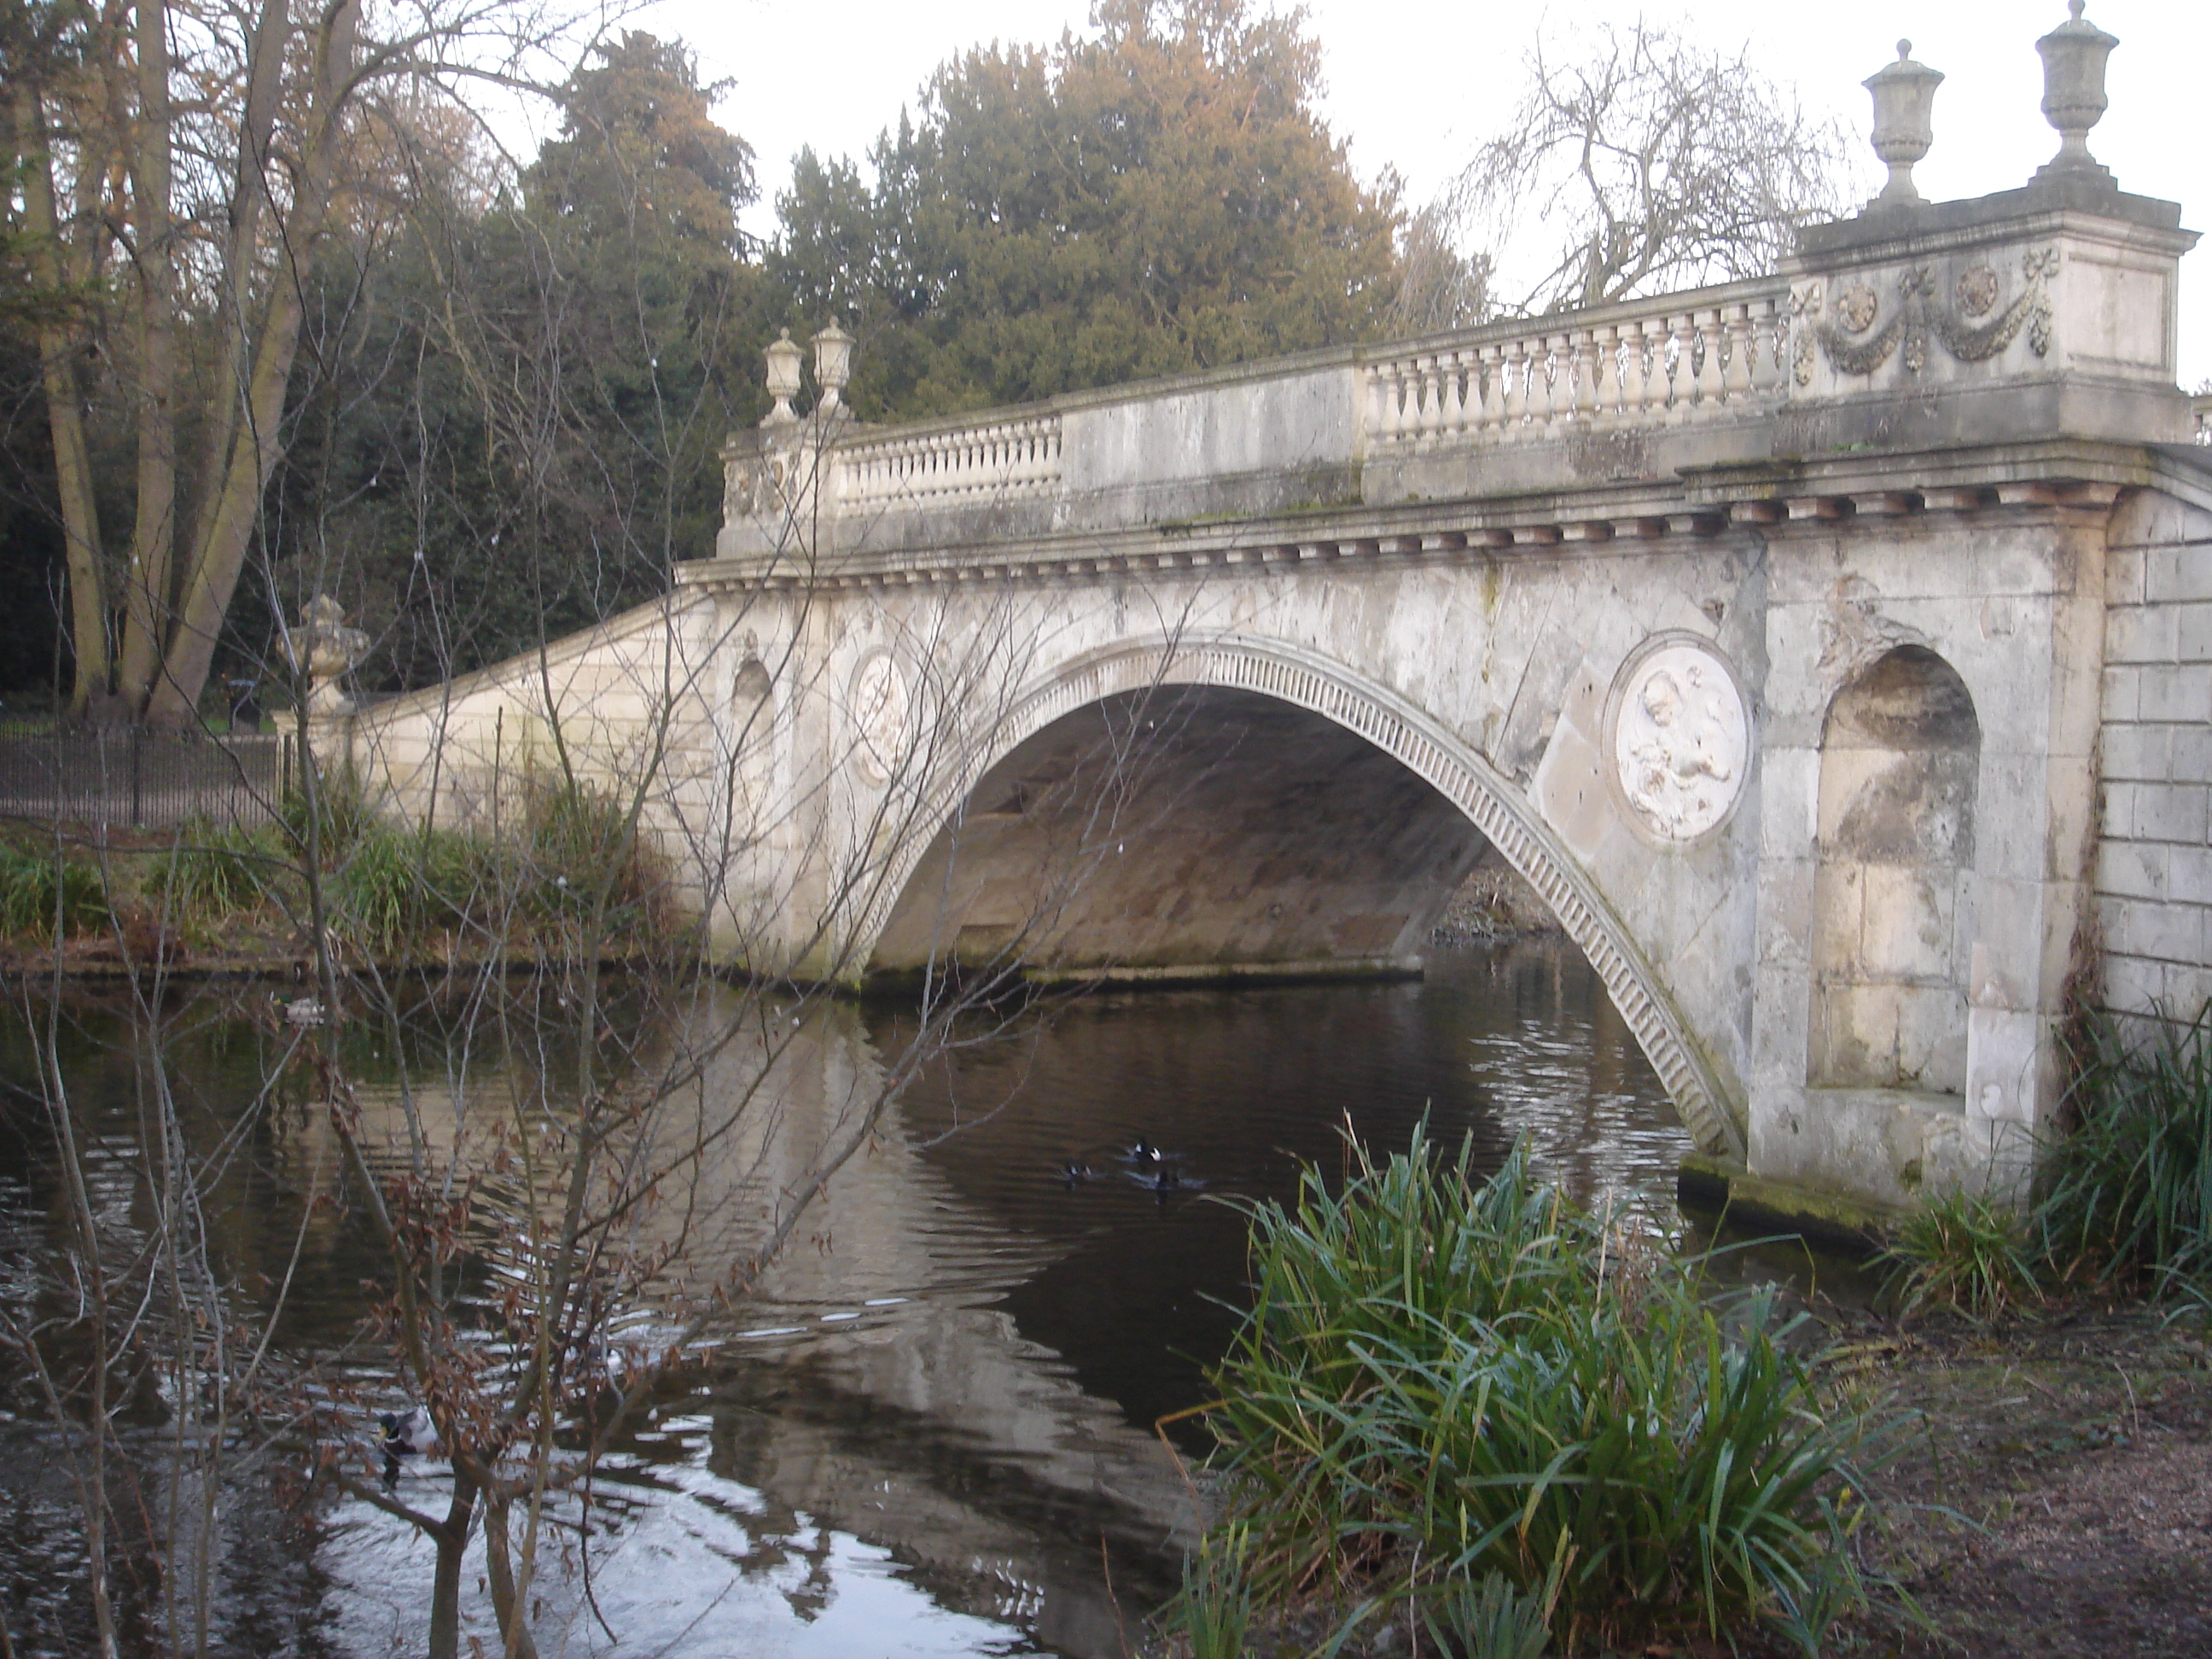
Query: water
[(933, 1432)]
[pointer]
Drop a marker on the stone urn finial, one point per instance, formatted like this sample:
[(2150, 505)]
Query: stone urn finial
[(833, 362), (783, 364), (327, 649), (1903, 122), (2073, 99)]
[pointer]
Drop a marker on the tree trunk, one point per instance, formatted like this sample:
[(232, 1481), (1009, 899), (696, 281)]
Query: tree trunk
[(234, 506), (513, 1618), (146, 589), (452, 1541), (64, 414)]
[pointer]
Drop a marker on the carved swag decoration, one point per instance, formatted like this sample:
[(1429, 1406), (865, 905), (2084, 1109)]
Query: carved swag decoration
[(1918, 314)]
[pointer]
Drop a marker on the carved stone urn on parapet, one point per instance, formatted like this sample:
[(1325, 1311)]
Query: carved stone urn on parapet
[(327, 649)]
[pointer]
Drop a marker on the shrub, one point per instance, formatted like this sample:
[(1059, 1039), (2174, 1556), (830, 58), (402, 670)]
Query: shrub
[(1965, 1251), (2129, 1193), (1443, 1381), (34, 889), (213, 874), (577, 839)]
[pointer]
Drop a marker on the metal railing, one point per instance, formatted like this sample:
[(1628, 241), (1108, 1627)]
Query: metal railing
[(129, 779)]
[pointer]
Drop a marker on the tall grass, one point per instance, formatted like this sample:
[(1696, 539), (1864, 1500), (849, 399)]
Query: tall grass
[(213, 874), (1444, 1381), (386, 885), (36, 892), (2128, 1194), (1963, 1250)]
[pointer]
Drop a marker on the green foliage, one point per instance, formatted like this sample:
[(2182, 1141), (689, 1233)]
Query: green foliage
[(36, 892), (525, 429), (1963, 1250), (1493, 1619), (1441, 1380), (1162, 197), (212, 874), (1213, 1610), (2129, 1193), (579, 852)]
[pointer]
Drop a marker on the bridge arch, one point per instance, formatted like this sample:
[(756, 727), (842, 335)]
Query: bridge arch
[(1304, 679)]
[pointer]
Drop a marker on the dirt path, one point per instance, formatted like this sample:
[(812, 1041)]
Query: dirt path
[(2052, 1494)]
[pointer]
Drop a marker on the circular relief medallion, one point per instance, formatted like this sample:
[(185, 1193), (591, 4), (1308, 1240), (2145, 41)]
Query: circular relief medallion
[(880, 709), (1976, 290), (1856, 306), (1680, 738)]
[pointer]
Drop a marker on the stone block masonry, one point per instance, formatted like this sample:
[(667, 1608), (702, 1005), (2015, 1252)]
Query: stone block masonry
[(2153, 877)]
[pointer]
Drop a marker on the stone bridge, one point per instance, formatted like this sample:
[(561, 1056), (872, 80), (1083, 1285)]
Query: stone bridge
[(1832, 652)]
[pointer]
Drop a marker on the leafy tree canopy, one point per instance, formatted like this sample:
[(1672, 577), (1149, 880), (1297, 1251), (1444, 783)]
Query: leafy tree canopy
[(1161, 198)]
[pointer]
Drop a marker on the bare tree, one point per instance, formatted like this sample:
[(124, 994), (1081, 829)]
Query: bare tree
[(1643, 160), (195, 158)]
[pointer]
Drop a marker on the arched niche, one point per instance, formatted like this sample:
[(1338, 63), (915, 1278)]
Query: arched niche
[(1892, 886)]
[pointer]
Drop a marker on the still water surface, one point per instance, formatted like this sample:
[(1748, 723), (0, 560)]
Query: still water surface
[(936, 1436)]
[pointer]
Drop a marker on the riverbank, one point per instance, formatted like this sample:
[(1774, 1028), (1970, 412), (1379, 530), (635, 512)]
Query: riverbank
[(2051, 1493), (2041, 1489)]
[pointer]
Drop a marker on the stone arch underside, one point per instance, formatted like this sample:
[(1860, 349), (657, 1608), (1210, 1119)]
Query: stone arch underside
[(1143, 678)]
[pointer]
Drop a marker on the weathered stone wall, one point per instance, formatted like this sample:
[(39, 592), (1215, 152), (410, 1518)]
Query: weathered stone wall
[(2154, 865)]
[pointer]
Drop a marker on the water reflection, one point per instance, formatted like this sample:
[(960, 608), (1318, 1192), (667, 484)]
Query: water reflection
[(935, 1422)]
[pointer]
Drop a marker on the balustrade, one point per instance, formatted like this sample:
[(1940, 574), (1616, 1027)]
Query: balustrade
[(997, 458), (1611, 366)]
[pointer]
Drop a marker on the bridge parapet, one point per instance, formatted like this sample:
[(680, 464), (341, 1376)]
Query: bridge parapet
[(1643, 364), (2042, 314)]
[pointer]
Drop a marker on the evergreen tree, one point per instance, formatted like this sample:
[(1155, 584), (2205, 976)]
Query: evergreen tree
[(1162, 197)]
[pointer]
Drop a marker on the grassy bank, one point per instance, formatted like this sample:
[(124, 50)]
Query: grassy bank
[(569, 876), (1469, 1414)]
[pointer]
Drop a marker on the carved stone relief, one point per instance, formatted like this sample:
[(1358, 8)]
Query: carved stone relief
[(1976, 290), (881, 709), (1918, 314), (1681, 738), (1856, 306)]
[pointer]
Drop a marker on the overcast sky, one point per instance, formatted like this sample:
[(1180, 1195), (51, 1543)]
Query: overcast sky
[(1416, 86)]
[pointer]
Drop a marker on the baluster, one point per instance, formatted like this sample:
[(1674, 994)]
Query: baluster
[(1455, 403), (1737, 386), (1516, 386), (1608, 374), (1766, 350), (1390, 424), (1628, 373), (1709, 365), (1586, 362), (1681, 366), (1376, 422), (1493, 411)]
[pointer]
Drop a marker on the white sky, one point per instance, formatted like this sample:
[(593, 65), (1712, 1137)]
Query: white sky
[(1415, 87)]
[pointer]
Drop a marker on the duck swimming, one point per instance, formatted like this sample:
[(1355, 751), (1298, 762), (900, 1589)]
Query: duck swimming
[(1074, 1172), (1145, 1154)]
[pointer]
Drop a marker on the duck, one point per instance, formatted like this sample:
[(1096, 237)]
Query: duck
[(305, 1012), (1145, 1154), (406, 1434), (1074, 1172)]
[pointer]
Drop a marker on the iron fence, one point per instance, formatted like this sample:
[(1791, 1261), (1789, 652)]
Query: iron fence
[(130, 779)]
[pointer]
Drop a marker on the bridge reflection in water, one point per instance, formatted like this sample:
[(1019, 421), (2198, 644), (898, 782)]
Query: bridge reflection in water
[(945, 1428)]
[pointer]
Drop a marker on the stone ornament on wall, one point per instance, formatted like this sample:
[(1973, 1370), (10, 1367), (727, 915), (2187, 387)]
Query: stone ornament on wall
[(1680, 738), (882, 708), (1918, 314)]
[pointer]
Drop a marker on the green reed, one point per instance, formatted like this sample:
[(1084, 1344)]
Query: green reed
[(1964, 1250), (2128, 1194), (36, 892), (1444, 1379)]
